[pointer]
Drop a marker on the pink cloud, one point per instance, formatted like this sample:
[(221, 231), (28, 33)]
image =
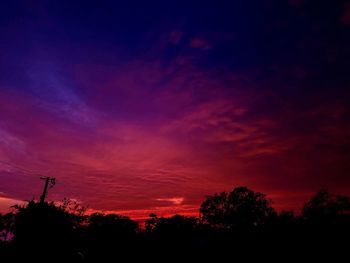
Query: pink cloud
[(172, 200), (6, 203), (199, 43), (175, 37)]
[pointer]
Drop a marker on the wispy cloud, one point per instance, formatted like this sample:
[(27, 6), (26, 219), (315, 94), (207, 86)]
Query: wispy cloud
[(56, 94), (172, 200), (135, 130)]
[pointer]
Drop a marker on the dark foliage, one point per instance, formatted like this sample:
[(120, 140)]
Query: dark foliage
[(241, 209), (326, 208), (239, 225)]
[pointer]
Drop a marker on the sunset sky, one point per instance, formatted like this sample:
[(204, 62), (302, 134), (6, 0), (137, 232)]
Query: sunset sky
[(140, 106)]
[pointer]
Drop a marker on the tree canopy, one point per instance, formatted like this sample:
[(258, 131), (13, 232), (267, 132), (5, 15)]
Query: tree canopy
[(242, 221), (241, 208)]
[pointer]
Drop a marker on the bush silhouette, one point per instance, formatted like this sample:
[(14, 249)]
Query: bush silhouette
[(43, 226)]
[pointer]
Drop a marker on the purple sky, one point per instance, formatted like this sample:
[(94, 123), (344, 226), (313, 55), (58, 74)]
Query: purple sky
[(149, 106)]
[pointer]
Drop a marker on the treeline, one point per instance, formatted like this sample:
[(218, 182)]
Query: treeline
[(234, 225)]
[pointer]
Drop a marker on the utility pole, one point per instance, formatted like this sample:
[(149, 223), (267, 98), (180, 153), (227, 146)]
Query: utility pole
[(49, 183)]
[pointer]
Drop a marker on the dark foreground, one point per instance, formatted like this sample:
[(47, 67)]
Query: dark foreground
[(236, 226)]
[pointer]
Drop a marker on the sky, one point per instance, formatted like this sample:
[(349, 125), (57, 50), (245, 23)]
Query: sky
[(149, 106)]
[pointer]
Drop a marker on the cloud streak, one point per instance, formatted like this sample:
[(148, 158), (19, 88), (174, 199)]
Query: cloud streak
[(159, 118)]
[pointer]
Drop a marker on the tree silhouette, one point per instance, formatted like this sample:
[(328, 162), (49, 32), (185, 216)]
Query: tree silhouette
[(241, 222), (151, 222), (325, 207), (112, 224), (109, 234), (241, 208), (175, 225)]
